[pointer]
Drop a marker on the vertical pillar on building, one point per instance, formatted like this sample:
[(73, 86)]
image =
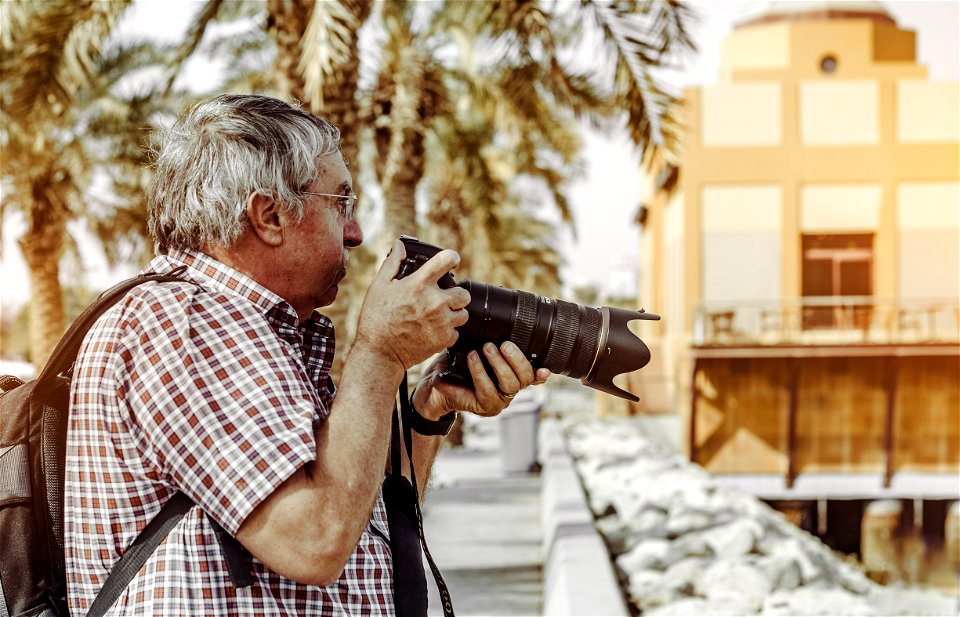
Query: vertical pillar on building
[(821, 517), (888, 437), (877, 534), (694, 395), (794, 370), (913, 548), (951, 535)]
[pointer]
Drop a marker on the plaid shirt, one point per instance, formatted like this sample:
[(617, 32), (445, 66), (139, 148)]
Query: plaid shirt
[(214, 390)]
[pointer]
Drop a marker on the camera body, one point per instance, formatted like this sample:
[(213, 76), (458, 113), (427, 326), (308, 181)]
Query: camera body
[(591, 344), (419, 253)]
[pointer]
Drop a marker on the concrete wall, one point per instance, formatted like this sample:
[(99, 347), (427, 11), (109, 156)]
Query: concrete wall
[(578, 575)]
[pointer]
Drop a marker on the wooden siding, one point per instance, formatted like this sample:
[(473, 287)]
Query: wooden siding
[(742, 420)]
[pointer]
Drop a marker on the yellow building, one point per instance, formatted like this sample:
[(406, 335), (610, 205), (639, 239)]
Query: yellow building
[(804, 253)]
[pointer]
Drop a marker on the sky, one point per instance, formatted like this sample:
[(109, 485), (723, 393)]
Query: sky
[(605, 251)]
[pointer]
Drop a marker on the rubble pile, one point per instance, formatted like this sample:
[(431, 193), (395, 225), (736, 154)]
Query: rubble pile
[(686, 545)]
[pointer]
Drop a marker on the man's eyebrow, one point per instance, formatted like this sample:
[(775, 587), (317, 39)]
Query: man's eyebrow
[(344, 188)]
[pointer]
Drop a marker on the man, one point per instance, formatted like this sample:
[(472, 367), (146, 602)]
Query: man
[(219, 388)]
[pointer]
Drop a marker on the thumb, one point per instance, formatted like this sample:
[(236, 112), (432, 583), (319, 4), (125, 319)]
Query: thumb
[(391, 265)]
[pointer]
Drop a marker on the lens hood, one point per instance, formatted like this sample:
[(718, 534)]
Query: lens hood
[(619, 350)]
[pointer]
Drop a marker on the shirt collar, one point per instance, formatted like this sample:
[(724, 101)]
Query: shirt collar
[(208, 271)]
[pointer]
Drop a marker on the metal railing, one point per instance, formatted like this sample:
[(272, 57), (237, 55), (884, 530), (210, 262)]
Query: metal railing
[(827, 320)]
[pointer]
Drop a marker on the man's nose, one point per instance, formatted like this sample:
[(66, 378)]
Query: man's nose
[(352, 233)]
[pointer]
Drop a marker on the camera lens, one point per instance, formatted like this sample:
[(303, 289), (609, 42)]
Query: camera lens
[(590, 344)]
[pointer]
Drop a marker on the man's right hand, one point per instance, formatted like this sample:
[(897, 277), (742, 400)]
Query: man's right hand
[(411, 319)]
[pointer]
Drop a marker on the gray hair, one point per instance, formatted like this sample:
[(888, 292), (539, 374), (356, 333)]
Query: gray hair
[(219, 153)]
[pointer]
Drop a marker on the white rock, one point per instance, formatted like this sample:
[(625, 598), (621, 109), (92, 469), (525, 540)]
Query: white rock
[(817, 601), (733, 539), (650, 554), (643, 583), (793, 549), (687, 520), (649, 589), (698, 606), (784, 572), (728, 545), (818, 564), (735, 579), (692, 545), (687, 573), (650, 522)]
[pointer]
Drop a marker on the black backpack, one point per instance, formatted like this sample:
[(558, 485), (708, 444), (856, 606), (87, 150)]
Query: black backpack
[(33, 437)]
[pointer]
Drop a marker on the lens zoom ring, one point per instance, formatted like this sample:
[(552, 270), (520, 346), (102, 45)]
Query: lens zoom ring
[(565, 332), (590, 325), (523, 322)]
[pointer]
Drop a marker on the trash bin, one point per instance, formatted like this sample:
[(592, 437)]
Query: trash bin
[(519, 425)]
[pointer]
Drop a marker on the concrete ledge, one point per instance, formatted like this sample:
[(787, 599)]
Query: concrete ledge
[(578, 577)]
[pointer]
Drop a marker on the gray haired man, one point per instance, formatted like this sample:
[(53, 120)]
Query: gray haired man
[(219, 387)]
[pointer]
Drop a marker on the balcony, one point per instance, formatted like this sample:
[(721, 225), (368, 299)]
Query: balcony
[(827, 321)]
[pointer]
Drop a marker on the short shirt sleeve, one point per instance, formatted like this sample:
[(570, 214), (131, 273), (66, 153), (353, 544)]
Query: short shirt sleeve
[(218, 401)]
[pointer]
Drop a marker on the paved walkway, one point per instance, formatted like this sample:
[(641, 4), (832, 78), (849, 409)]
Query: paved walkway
[(483, 529)]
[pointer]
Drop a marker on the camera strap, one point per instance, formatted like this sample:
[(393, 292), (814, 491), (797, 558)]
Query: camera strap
[(406, 523)]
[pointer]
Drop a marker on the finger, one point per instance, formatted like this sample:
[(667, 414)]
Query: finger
[(542, 375), (438, 265), (518, 362), (448, 336), (391, 265), (486, 393), (458, 297), (508, 381), (459, 318)]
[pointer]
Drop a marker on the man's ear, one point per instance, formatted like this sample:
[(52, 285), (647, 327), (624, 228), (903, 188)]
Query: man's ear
[(265, 220)]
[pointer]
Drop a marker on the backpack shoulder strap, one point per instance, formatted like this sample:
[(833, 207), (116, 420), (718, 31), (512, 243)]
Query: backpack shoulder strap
[(66, 350), (137, 554)]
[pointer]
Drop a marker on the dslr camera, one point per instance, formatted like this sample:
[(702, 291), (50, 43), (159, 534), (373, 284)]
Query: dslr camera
[(593, 345)]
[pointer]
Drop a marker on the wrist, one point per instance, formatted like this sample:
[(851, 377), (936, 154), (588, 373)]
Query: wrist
[(368, 366), (420, 399), (430, 427), (374, 362)]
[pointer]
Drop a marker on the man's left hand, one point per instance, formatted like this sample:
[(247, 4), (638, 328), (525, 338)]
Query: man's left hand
[(435, 397)]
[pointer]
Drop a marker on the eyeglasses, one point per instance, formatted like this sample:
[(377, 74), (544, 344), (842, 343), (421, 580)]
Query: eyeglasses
[(346, 204)]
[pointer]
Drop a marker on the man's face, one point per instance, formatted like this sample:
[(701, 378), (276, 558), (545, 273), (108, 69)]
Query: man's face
[(317, 246)]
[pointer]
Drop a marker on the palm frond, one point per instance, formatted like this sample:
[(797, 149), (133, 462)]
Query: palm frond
[(328, 43), (638, 37), (50, 53)]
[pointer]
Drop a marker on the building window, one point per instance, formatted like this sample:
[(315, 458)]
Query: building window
[(828, 63), (837, 265)]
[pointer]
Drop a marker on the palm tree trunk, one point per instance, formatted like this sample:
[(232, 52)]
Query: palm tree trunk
[(400, 196), (42, 247), (400, 202), (286, 22), (339, 94)]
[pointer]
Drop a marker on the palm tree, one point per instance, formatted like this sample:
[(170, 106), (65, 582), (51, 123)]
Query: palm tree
[(402, 105), (48, 55), (318, 64), (73, 135)]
